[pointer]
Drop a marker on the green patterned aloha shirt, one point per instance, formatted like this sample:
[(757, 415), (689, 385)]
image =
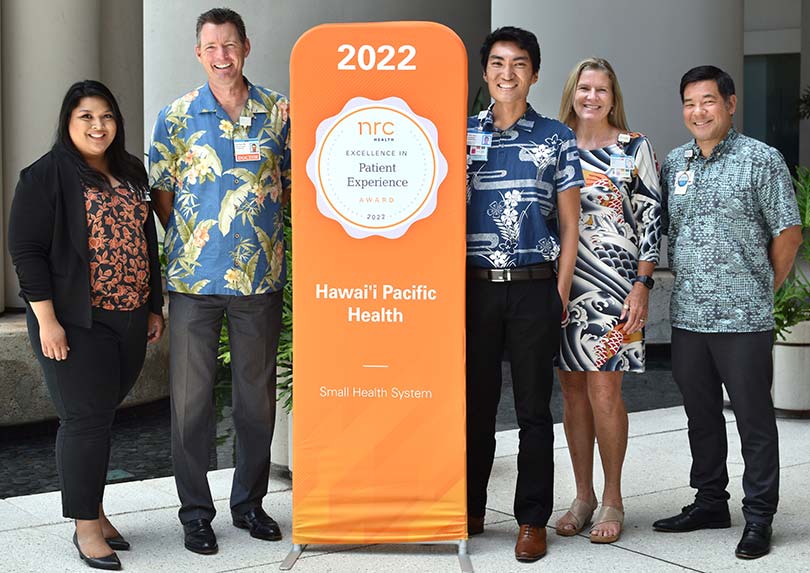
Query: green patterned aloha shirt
[(720, 230), (225, 234)]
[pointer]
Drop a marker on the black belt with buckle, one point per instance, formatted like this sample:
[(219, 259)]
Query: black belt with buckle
[(533, 272)]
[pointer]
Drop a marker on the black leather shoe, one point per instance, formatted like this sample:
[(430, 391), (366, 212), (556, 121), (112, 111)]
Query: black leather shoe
[(117, 543), (108, 562), (261, 525), (755, 541), (693, 518), (200, 537)]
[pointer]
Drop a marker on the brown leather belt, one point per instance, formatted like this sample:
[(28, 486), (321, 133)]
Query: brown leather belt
[(533, 272)]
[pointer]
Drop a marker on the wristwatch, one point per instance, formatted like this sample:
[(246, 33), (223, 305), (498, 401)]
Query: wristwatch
[(646, 280)]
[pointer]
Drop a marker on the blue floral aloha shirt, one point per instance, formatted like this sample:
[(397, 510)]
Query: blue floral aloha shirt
[(720, 230), (512, 195), (225, 234)]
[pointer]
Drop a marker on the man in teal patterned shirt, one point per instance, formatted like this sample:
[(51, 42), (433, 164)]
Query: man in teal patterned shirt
[(733, 234), (220, 166)]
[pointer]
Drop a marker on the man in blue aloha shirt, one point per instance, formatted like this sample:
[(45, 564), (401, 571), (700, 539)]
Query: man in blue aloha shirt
[(523, 180), (734, 230), (220, 169)]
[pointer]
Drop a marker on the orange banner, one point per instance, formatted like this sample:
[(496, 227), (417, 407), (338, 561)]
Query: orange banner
[(378, 139)]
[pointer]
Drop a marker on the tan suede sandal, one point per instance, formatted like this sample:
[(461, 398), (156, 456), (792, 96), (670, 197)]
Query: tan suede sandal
[(607, 514), (581, 512)]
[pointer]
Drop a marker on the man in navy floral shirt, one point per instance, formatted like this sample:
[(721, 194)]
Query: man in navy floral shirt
[(523, 180)]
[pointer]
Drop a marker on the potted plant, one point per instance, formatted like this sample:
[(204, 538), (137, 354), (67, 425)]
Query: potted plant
[(791, 388)]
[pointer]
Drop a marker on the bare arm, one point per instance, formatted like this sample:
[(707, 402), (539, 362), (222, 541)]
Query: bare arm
[(638, 301), (163, 205), (568, 216), (782, 253), (51, 334)]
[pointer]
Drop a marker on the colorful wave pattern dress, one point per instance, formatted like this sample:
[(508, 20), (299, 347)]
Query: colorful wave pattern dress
[(620, 224)]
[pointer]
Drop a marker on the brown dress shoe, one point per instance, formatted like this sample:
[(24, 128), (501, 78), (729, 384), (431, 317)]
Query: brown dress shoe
[(531, 543), (475, 525)]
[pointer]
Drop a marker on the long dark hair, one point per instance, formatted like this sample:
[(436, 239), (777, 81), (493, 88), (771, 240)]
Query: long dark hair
[(122, 165)]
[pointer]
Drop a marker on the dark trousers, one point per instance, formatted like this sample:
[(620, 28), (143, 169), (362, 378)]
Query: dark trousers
[(701, 364), (524, 317), (101, 367), (254, 324)]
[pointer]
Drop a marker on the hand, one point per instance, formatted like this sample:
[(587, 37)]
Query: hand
[(635, 309), (154, 327), (53, 340)]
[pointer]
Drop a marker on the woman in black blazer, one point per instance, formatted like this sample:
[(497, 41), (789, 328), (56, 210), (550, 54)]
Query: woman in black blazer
[(82, 238)]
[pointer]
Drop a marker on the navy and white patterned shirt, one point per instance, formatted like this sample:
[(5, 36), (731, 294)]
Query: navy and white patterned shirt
[(512, 195), (720, 231)]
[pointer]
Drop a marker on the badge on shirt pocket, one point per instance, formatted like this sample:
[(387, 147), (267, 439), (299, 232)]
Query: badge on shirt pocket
[(246, 150), (683, 179)]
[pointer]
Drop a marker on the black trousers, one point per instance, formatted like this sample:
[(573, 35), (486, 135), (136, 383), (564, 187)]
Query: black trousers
[(254, 324), (701, 364), (524, 317), (101, 367)]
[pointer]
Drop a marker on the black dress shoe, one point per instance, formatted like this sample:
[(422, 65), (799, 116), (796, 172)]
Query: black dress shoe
[(261, 525), (755, 541), (117, 543), (693, 518), (200, 537), (108, 562)]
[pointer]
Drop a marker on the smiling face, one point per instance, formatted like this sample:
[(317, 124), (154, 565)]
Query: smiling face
[(221, 53), (593, 98), (92, 127), (509, 73), (706, 114)]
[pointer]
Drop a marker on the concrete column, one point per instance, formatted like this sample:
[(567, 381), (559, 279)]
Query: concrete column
[(122, 64), (45, 48)]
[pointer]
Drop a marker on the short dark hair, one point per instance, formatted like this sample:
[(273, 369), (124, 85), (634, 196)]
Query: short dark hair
[(124, 166), (725, 85), (222, 16), (524, 39)]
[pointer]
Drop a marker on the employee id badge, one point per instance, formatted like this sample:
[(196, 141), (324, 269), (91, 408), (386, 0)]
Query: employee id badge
[(246, 150), (478, 153), (683, 179), (478, 138), (622, 167)]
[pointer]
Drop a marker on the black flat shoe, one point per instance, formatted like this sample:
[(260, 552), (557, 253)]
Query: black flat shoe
[(755, 541), (693, 518), (117, 543), (261, 525), (108, 562), (199, 537)]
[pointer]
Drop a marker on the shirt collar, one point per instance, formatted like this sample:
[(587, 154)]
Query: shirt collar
[(525, 122), (725, 144), (207, 103)]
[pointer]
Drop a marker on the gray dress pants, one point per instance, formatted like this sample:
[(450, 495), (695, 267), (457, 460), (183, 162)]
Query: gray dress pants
[(254, 323)]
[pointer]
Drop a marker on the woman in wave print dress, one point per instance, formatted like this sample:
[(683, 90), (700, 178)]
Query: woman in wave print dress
[(620, 230)]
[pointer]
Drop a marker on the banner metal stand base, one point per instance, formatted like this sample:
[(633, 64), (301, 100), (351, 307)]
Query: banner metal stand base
[(463, 557)]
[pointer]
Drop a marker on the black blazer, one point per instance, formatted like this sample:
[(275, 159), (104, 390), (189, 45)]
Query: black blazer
[(47, 239)]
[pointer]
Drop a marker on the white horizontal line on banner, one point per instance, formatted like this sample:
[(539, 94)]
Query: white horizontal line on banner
[(375, 365)]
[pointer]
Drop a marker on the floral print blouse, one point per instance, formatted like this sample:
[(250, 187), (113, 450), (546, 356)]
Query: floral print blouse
[(116, 241)]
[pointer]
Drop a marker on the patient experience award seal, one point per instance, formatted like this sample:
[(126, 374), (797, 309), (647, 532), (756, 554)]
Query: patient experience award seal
[(376, 167)]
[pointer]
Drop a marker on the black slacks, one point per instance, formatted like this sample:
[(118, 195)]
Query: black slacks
[(701, 364), (524, 317), (101, 367), (254, 324)]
